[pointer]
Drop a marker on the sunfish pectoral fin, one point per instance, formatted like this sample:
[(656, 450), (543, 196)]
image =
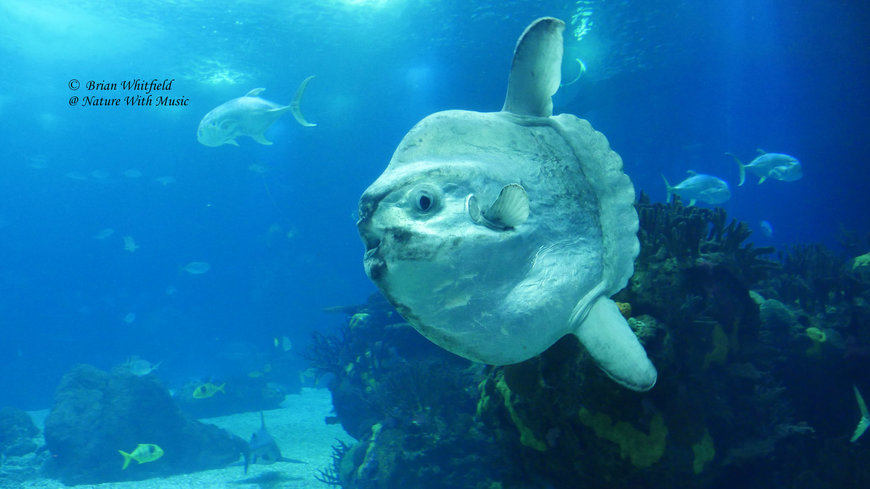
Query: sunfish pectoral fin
[(254, 92), (536, 70), (294, 105), (610, 341), (510, 209)]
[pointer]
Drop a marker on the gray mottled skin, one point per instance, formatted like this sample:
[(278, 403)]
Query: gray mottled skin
[(501, 296)]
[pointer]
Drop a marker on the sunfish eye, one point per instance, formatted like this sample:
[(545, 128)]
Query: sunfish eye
[(424, 201), (425, 198)]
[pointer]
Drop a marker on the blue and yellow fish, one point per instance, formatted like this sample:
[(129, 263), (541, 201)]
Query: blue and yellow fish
[(207, 390), (144, 453)]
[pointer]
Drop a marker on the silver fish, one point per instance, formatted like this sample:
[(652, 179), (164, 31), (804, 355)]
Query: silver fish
[(248, 115), (139, 366), (706, 188), (197, 267), (495, 234), (778, 166)]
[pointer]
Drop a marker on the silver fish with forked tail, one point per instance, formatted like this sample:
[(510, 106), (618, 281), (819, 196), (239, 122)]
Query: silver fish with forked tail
[(247, 115)]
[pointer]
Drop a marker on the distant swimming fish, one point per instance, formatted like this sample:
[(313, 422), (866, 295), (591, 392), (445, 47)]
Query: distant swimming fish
[(257, 168), (144, 453), (196, 267), (283, 344), (248, 115), (165, 180), (766, 228), (130, 244), (706, 188), (104, 233), (773, 165), (263, 449), (207, 390), (139, 366)]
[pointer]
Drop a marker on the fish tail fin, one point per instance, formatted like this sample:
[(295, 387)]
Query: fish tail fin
[(221, 388), (127, 458), (294, 105), (864, 422), (668, 189), (861, 405), (740, 167)]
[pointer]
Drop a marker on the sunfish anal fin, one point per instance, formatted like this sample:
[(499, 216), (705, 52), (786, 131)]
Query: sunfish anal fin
[(610, 341), (536, 71)]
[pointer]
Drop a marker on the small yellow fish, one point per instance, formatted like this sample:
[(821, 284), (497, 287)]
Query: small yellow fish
[(145, 452), (207, 390)]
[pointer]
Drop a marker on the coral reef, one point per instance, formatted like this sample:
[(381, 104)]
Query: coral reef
[(411, 405), (21, 452), (97, 413), (16, 432)]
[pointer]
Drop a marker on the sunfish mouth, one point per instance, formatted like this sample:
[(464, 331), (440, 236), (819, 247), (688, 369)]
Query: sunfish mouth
[(370, 239)]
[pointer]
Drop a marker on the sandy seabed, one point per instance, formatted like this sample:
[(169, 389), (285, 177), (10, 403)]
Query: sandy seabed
[(299, 428)]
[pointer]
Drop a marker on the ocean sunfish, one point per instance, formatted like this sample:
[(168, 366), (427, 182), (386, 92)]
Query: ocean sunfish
[(778, 166), (706, 188), (495, 234), (248, 115)]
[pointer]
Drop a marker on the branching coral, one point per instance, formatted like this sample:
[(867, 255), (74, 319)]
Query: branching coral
[(688, 233)]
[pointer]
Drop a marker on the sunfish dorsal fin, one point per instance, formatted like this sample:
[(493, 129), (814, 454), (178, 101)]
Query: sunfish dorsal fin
[(536, 71), (254, 92)]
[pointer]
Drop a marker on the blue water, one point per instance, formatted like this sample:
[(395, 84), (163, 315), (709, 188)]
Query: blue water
[(673, 85)]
